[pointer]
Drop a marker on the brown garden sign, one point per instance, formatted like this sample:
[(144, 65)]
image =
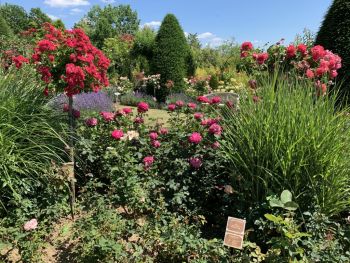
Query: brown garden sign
[(234, 232)]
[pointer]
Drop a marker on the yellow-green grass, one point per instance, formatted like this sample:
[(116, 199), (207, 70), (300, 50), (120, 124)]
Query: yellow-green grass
[(153, 117)]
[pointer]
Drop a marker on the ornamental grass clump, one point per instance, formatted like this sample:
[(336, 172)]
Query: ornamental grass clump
[(30, 137), (290, 138)]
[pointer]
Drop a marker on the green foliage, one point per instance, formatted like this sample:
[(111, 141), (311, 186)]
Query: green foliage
[(59, 24), (143, 48), (170, 55), (108, 22), (289, 137), (129, 99), (38, 17), (334, 35), (118, 51), (30, 138), (108, 234), (5, 30), (214, 82), (310, 237), (15, 16)]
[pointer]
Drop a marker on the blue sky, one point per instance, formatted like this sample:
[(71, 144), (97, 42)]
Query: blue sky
[(259, 21)]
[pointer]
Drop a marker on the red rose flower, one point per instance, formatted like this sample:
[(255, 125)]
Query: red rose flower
[(171, 107), (117, 134), (290, 51), (246, 46), (142, 107)]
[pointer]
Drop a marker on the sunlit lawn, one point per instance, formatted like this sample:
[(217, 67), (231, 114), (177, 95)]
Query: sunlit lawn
[(153, 115)]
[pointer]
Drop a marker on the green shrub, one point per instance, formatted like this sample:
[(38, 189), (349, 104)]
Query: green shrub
[(170, 55), (30, 138), (288, 137), (334, 34), (214, 82), (5, 30)]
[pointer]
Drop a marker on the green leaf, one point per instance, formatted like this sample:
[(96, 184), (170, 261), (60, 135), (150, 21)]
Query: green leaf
[(274, 202), (286, 196), (291, 206), (272, 218)]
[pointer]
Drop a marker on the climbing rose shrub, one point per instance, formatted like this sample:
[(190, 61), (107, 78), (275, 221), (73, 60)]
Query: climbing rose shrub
[(67, 61), (314, 62)]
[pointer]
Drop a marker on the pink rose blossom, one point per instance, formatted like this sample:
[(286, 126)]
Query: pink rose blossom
[(139, 120), (317, 52), (310, 74), (262, 57), (215, 145), (117, 134), (171, 107), (202, 99), (302, 49), (148, 161), (65, 107), (246, 46), (127, 110), (215, 129), (198, 115), (153, 136), (191, 105), (107, 116), (164, 131), (179, 103), (31, 225), (195, 138), (290, 51), (195, 162), (91, 122), (142, 107), (333, 74), (155, 144), (76, 114), (215, 100)]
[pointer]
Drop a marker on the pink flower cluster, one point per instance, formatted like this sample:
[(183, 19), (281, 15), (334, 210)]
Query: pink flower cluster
[(69, 61), (314, 63)]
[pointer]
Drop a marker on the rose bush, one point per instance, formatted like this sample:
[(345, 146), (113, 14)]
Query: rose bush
[(179, 163), (67, 61), (309, 62)]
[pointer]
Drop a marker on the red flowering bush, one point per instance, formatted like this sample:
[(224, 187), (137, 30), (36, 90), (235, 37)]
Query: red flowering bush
[(314, 63), (67, 61)]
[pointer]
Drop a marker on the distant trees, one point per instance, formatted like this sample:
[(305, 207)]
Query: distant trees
[(108, 22), (15, 16), (19, 20), (5, 30)]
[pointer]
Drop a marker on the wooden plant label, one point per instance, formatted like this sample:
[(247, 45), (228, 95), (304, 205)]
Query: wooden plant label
[(234, 232)]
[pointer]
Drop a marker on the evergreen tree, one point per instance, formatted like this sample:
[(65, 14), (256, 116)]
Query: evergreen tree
[(5, 30), (334, 35), (170, 56)]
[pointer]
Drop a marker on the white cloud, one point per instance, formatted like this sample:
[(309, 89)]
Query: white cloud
[(186, 34), (206, 35), (210, 39), (66, 3), (108, 1), (75, 11), (53, 17), (152, 24)]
